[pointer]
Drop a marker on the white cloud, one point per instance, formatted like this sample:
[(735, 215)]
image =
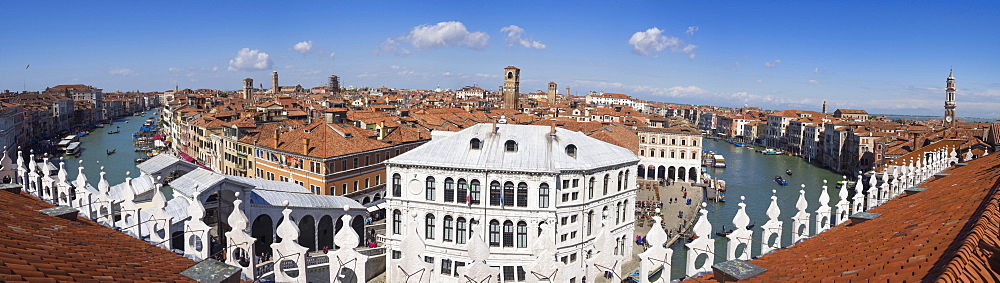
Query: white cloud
[(289, 66), (772, 64), (816, 70), (440, 35), (394, 67), (332, 54), (653, 40), (247, 59), (487, 75), (515, 36), (406, 72), (691, 30), (174, 69), (815, 82), (122, 72), (446, 34), (303, 47), (390, 46), (215, 68), (446, 74)]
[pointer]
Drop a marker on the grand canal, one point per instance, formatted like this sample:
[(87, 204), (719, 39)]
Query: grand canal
[(97, 143), (751, 174)]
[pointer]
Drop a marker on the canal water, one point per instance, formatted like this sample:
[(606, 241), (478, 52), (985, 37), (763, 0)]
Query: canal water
[(751, 174), (97, 143)]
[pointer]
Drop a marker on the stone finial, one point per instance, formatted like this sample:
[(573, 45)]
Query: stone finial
[(103, 185), (800, 221), (410, 265), (81, 178), (62, 176), (772, 210), (823, 212)]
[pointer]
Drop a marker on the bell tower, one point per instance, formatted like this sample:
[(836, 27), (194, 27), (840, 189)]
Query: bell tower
[(949, 100), (552, 92), (511, 87)]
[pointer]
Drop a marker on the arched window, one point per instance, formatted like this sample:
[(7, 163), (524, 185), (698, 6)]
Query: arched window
[(430, 188), (510, 145), (663, 140), (495, 193), (663, 153), (508, 233), (625, 179), (449, 190), (619, 181), (448, 226), (397, 222), (522, 194), (694, 142), (642, 139), (474, 191), (460, 236), (475, 143), (673, 154), (571, 150), (618, 213), (543, 195), (590, 188), (397, 187), (429, 225), (607, 179), (508, 194), (625, 211), (590, 222), (522, 234), (673, 141), (684, 141), (494, 233), (682, 154), (463, 191), (642, 152)]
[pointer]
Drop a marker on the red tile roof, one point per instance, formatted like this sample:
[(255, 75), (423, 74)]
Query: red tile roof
[(38, 248), (944, 233)]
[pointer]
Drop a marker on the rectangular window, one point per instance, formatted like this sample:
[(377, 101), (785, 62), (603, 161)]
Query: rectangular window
[(508, 273), (343, 189), (543, 196), (430, 188), (429, 259), (520, 273), (576, 183), (457, 265), (576, 195), (396, 254), (445, 266), (354, 164)]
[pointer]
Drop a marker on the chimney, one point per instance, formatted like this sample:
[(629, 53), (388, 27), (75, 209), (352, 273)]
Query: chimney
[(494, 128), (276, 137), (305, 146), (328, 117), (552, 128)]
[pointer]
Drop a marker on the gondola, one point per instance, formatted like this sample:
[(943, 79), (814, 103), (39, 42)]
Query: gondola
[(780, 181)]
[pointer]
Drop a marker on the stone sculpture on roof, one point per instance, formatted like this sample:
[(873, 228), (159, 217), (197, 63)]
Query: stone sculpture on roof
[(702, 245), (800, 221), (241, 243), (843, 206), (288, 250), (347, 264), (478, 271), (656, 255), (823, 212), (772, 228), (741, 235), (196, 233), (412, 267), (605, 259), (545, 268)]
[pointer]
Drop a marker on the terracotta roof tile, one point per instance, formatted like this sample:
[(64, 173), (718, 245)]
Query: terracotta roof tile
[(80, 250), (935, 235)]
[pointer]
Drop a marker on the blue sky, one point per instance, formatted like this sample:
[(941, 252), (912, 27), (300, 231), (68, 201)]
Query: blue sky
[(885, 57)]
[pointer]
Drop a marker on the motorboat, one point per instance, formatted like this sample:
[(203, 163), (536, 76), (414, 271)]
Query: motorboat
[(789, 172), (780, 181), (111, 151)]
